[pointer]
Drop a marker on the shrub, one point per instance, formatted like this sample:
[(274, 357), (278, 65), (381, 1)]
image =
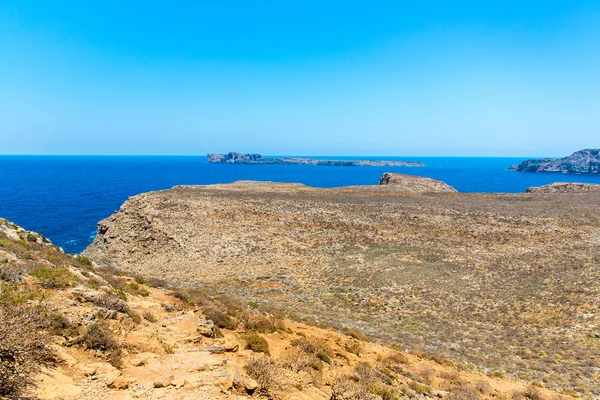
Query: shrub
[(23, 350), (136, 289), (52, 278), (149, 316), (259, 323), (221, 319), (264, 371), (257, 343), (31, 237), (315, 346), (111, 302), (99, 337), (464, 393), (83, 260), (59, 325), (353, 346)]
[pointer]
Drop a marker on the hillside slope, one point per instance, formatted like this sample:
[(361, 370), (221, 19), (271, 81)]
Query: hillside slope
[(505, 283), (99, 334)]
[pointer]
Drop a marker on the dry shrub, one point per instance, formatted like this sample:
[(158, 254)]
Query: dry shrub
[(354, 347), (420, 388), (345, 388), (483, 387), (99, 337), (257, 343), (149, 316), (259, 323), (264, 371), (355, 334), (297, 360), (23, 350), (464, 393), (315, 346), (111, 302), (426, 374)]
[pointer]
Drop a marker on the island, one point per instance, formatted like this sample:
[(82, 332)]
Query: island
[(581, 162), (240, 158)]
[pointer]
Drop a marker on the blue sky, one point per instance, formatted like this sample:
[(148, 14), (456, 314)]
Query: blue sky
[(456, 78)]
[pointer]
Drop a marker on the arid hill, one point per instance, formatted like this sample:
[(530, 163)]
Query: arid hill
[(74, 330), (415, 184), (507, 284)]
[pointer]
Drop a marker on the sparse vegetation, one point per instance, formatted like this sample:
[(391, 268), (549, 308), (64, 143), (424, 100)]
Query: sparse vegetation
[(53, 278), (264, 370), (257, 343)]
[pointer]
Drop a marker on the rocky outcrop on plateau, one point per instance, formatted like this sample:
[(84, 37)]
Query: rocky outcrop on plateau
[(415, 184), (564, 187), (581, 162), (239, 158)]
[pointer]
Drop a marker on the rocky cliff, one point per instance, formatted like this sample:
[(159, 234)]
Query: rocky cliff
[(239, 158), (564, 187), (580, 162), (415, 184)]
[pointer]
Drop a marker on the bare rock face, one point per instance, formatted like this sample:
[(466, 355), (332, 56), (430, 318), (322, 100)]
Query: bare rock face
[(581, 162), (415, 184), (564, 187)]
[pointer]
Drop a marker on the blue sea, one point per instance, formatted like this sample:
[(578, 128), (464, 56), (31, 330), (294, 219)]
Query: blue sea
[(63, 197)]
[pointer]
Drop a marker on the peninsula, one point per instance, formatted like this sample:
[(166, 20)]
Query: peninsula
[(239, 158), (581, 162)]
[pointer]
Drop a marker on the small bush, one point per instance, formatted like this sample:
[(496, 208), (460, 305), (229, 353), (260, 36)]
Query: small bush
[(315, 346), (264, 371), (59, 325), (257, 343), (354, 347), (149, 316), (83, 260), (464, 393), (111, 302), (52, 278), (137, 318), (221, 319), (31, 237), (136, 289), (99, 337)]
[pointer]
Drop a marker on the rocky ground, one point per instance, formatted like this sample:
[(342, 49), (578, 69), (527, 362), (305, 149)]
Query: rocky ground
[(73, 329), (507, 284)]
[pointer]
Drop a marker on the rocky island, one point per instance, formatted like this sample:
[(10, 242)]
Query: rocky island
[(239, 158), (415, 184), (581, 162)]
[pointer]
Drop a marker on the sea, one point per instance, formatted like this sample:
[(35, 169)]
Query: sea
[(64, 197)]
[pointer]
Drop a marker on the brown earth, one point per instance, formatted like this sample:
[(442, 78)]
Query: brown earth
[(507, 284)]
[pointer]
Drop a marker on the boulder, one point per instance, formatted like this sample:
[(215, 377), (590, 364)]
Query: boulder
[(206, 327), (164, 381)]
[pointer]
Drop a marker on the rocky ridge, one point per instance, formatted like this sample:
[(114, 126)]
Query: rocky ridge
[(415, 184), (239, 158), (564, 187), (581, 162)]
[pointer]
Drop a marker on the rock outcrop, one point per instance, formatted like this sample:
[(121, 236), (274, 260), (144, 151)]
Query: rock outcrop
[(239, 158), (581, 162), (415, 184), (564, 187)]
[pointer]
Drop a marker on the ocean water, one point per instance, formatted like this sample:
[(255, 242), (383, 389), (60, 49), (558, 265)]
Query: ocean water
[(63, 197)]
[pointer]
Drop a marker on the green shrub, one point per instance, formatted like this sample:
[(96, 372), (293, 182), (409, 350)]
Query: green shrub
[(83, 260), (53, 278), (31, 237), (257, 343)]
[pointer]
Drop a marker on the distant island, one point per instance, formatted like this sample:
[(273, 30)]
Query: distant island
[(581, 162), (239, 158)]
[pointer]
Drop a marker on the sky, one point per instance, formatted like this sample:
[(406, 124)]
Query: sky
[(380, 78)]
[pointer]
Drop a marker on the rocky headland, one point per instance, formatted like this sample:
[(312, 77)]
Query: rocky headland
[(581, 162), (564, 187), (505, 284), (415, 184), (239, 158)]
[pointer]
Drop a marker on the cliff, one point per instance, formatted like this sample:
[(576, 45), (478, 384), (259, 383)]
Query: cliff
[(239, 158), (415, 184), (580, 162)]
